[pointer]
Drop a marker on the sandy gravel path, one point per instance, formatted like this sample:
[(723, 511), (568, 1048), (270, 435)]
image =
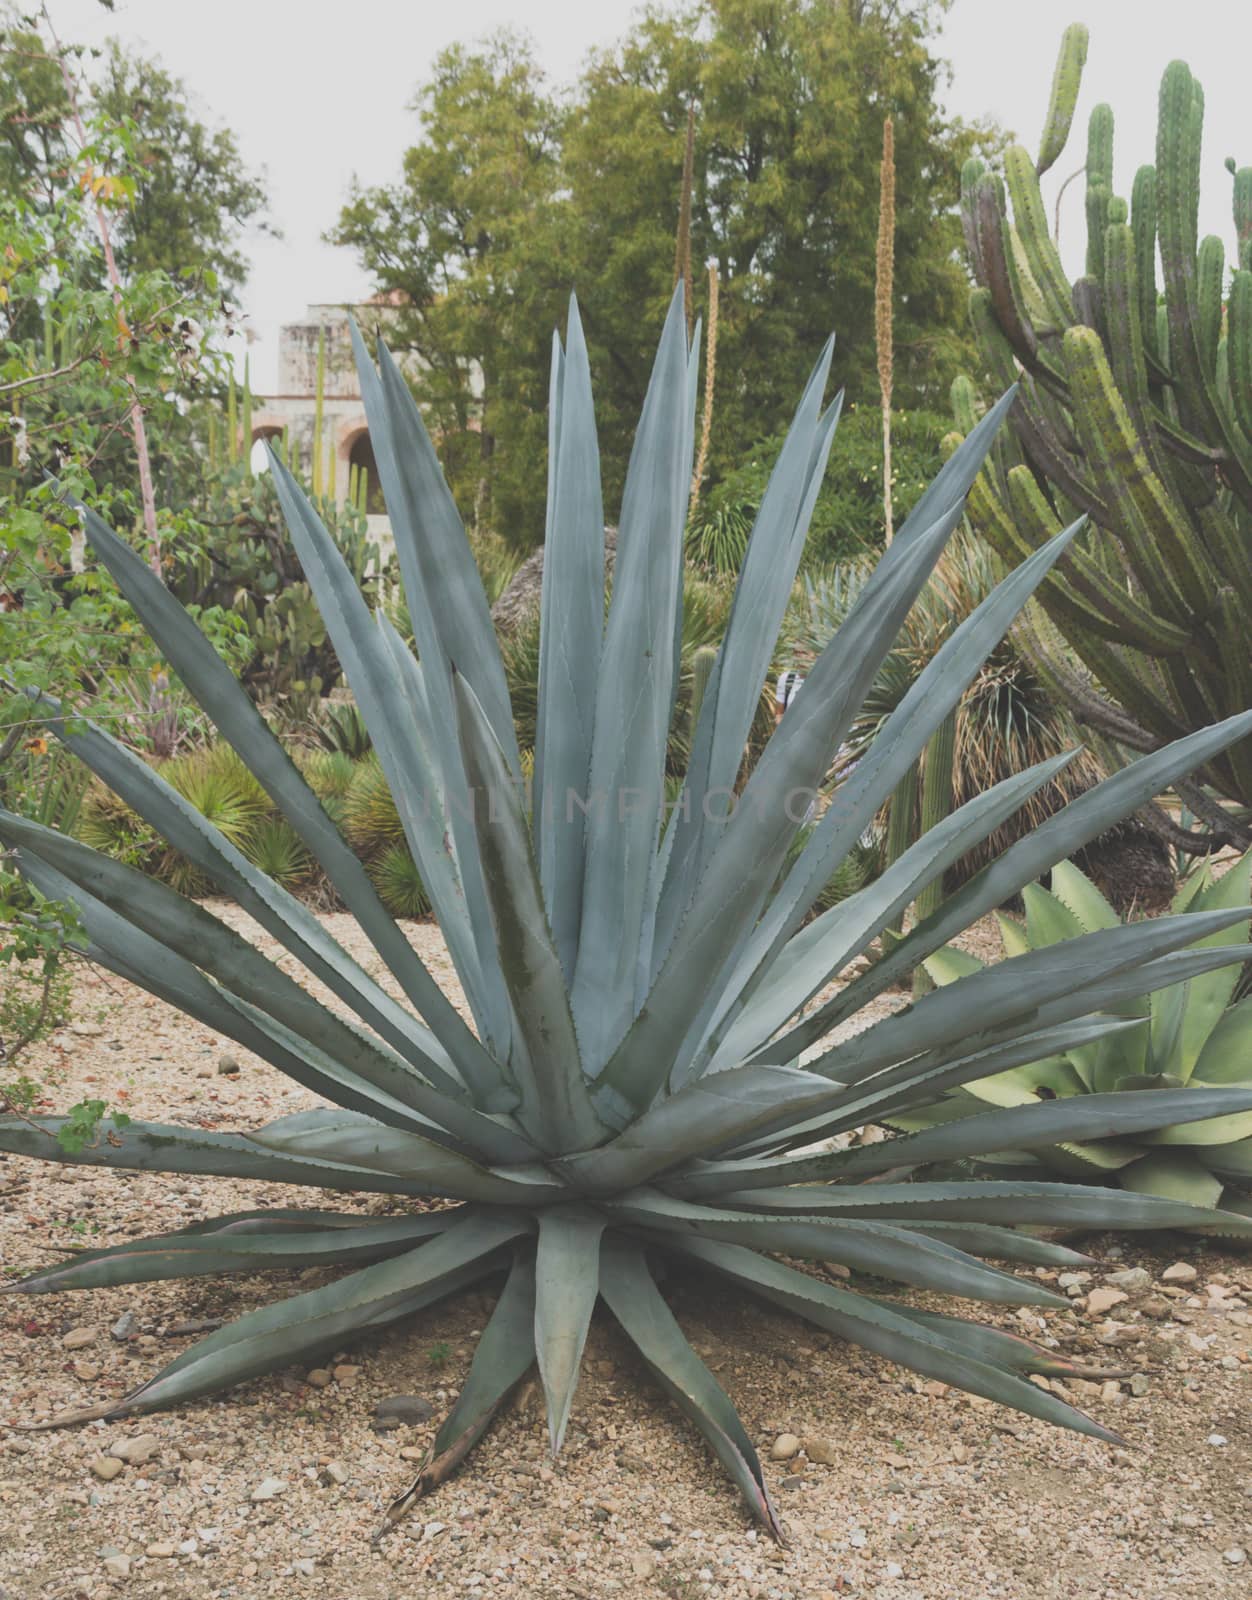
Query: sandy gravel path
[(275, 1488)]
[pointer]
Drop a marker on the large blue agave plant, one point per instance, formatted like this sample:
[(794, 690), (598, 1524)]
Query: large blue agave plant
[(631, 1092)]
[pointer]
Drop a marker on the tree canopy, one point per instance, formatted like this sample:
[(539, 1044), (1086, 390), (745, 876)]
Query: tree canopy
[(516, 192)]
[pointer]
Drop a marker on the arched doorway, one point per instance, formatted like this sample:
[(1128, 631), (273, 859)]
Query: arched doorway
[(265, 430), (361, 456)]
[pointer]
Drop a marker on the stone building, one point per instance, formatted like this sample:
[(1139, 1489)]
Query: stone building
[(345, 431)]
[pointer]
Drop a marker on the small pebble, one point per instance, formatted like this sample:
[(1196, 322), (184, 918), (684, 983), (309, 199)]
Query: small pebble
[(162, 1550), (137, 1450), (784, 1447), (79, 1338), (106, 1467), (269, 1488), (1180, 1272), (117, 1566), (1236, 1556), (400, 1410), (1135, 1280), (227, 1066)]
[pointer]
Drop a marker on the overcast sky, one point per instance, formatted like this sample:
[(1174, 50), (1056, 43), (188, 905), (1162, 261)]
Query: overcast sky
[(317, 92)]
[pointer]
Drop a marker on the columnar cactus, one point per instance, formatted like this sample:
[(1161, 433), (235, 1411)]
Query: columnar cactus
[(1135, 408)]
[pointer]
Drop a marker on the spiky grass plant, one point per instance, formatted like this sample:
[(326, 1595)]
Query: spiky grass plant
[(1007, 720), (395, 875), (371, 817), (629, 1098)]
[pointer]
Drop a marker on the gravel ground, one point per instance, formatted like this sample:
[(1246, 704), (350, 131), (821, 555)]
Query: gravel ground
[(901, 1490)]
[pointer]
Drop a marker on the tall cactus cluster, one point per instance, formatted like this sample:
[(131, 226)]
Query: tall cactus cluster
[(1135, 409)]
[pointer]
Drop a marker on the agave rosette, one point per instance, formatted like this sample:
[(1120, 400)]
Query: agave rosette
[(641, 1086), (1195, 1036)]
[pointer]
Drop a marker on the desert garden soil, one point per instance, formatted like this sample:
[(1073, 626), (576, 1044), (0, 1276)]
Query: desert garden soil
[(899, 1489)]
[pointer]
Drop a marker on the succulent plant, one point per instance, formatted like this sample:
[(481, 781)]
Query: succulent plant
[(1190, 1036), (1135, 409), (1007, 719), (628, 1097)]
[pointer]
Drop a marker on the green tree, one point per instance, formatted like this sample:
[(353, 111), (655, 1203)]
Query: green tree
[(196, 196), (790, 98), (513, 196), (99, 352), (458, 246)]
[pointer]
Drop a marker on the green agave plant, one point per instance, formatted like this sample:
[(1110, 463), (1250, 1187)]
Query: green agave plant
[(1189, 1036), (630, 1098)]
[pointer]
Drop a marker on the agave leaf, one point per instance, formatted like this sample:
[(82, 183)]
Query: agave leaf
[(210, 681), (1106, 994), (899, 744), (1174, 1176), (1018, 988), (571, 627), (253, 1242), (473, 929), (1075, 907), (1105, 1155), (400, 734), (707, 1114), (949, 964), (146, 962), (881, 1248), (633, 707), (1207, 998), (1001, 1201), (187, 929), (346, 1136), (1082, 899), (1001, 1349), (277, 911), (503, 1356), (754, 843), (769, 568), (1004, 1244), (632, 1296), (1216, 1128), (812, 956), (1227, 1053), (451, 1122), (864, 1103), (1231, 1161), (926, 1349), (447, 606), (163, 1147), (142, 960), (1048, 920), (448, 610), (566, 1279), (545, 1057), (1045, 1122), (279, 1334), (1012, 936), (1060, 837)]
